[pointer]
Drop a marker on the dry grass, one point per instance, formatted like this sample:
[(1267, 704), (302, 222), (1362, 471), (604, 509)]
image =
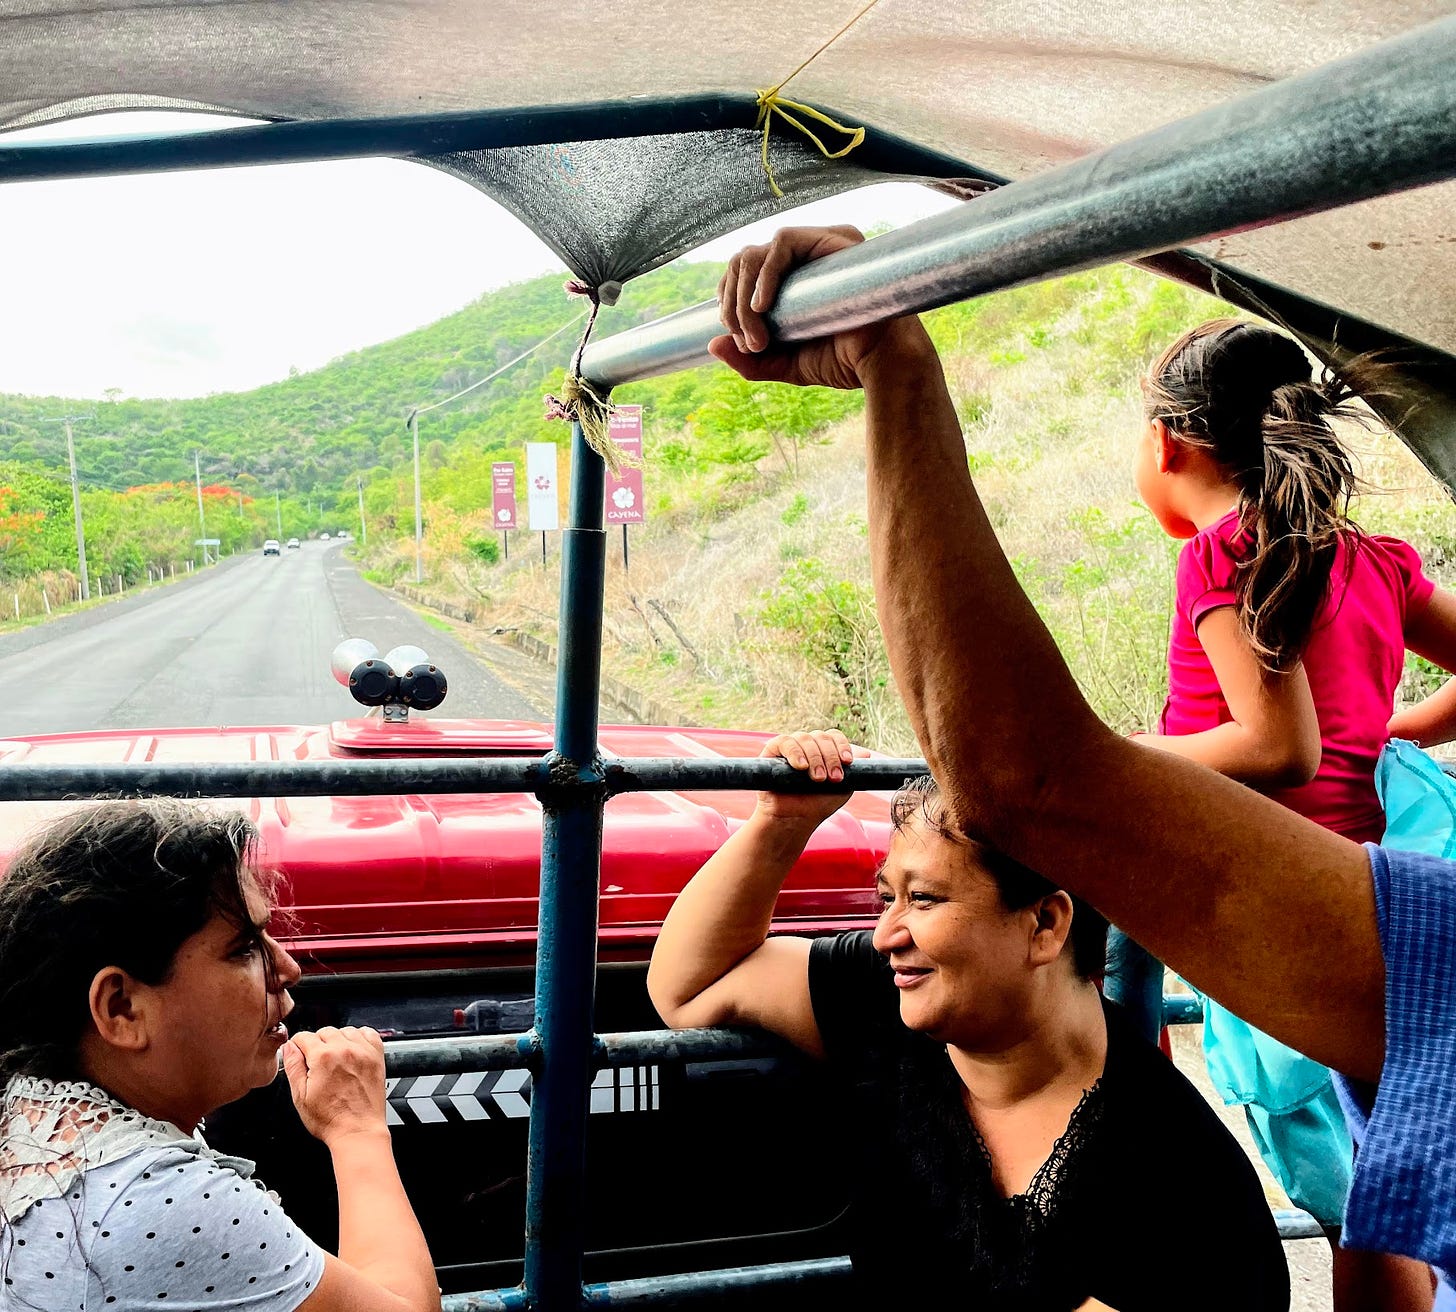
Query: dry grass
[(1051, 412)]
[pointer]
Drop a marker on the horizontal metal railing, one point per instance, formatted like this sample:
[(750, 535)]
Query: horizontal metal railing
[(542, 775), (1377, 122), (743, 1284), (453, 1055)]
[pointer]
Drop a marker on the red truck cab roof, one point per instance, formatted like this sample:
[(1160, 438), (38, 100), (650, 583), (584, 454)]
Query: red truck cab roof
[(392, 881)]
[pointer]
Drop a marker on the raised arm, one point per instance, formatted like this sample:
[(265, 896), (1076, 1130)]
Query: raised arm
[(1267, 912), (714, 963)]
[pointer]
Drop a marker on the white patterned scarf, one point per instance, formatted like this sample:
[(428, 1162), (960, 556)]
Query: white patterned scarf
[(57, 1130)]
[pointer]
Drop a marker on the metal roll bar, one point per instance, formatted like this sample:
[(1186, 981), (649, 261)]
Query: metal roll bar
[(1377, 122), (542, 776)]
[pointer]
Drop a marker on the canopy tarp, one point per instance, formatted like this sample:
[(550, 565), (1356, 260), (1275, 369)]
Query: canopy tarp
[(998, 88)]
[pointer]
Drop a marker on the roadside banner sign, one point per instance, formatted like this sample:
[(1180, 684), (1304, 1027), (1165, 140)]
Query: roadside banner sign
[(625, 502), (541, 486), (503, 493)]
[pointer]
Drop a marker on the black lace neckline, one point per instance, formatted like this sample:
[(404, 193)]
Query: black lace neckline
[(1018, 1254), (1041, 1192)]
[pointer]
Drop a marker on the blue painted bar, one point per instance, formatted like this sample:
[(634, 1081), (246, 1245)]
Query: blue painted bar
[(502, 774), (571, 857), (1182, 1009), (487, 1300), (410, 136), (817, 1278), (450, 1056), (502, 1052)]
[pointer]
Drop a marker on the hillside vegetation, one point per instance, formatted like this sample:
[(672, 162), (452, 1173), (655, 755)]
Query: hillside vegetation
[(748, 599)]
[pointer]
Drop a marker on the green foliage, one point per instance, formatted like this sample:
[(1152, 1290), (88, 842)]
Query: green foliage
[(1110, 611), (830, 622), (795, 510), (740, 422), (485, 550)]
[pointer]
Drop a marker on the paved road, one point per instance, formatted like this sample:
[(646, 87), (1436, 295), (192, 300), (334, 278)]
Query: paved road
[(246, 642)]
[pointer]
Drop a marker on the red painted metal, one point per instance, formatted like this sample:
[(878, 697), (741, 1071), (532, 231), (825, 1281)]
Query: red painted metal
[(407, 881)]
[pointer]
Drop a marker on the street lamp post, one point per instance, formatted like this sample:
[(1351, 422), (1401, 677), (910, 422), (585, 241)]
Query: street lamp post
[(201, 517), (67, 421), (414, 424)]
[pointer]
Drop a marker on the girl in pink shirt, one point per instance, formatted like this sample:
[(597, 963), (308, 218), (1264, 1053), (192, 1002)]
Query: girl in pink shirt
[(1287, 645)]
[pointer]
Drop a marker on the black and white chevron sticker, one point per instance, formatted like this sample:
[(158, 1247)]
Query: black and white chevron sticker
[(506, 1095)]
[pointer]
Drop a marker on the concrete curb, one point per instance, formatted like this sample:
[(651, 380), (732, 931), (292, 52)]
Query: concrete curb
[(618, 696)]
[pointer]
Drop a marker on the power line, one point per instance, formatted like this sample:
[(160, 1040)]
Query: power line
[(413, 424), (425, 409)]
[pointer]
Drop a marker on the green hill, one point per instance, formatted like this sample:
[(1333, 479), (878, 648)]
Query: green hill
[(288, 458), (311, 434)]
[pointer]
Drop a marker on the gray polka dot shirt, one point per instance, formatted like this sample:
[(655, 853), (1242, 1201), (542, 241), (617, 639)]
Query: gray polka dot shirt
[(159, 1229)]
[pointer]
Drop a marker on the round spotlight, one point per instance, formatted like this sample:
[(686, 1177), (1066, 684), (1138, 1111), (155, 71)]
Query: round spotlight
[(423, 687), (373, 683)]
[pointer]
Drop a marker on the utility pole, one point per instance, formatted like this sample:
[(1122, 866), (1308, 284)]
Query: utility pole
[(76, 511), (67, 421), (414, 423), (201, 518), (278, 510), (363, 528)]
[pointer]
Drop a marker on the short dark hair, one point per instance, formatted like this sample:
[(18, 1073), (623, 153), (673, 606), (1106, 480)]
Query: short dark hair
[(1018, 885), (119, 883)]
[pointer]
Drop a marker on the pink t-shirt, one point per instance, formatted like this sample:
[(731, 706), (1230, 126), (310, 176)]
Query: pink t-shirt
[(1354, 658)]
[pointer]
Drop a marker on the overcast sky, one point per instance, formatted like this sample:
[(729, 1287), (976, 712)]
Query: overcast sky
[(187, 283)]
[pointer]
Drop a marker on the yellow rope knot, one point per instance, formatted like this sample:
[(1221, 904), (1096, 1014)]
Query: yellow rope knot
[(771, 103)]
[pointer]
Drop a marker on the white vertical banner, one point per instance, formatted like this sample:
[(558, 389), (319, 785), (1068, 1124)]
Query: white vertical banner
[(541, 510)]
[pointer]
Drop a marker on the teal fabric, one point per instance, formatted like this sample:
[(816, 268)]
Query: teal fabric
[(1292, 1109), (1419, 800)]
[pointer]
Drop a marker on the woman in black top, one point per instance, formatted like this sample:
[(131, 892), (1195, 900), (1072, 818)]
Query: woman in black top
[(1024, 1148)]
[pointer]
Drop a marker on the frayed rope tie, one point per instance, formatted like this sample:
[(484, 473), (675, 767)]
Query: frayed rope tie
[(580, 402)]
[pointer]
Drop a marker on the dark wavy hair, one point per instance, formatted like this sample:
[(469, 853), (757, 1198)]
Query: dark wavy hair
[(115, 884), (1018, 885), (1248, 395)]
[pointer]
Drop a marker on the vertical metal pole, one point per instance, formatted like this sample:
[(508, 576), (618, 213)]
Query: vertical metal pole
[(414, 423), (363, 527), (506, 543), (624, 548), (76, 511), (571, 853), (278, 511), (201, 518), (543, 548)]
